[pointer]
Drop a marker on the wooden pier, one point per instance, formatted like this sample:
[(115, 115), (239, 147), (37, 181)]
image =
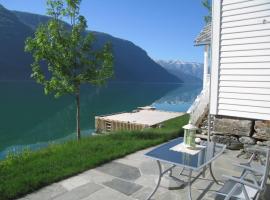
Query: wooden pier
[(143, 117)]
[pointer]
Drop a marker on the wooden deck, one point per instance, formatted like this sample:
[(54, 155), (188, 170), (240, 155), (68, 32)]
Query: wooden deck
[(136, 120)]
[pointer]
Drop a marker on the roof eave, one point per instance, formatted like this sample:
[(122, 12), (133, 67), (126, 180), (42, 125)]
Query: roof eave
[(202, 44)]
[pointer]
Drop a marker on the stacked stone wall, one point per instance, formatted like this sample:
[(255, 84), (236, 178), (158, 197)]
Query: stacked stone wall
[(237, 132)]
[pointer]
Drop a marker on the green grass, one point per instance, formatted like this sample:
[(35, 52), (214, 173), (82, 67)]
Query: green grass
[(29, 171)]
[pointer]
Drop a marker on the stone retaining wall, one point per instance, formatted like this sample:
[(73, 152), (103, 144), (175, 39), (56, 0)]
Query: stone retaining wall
[(230, 126), (262, 130), (235, 132)]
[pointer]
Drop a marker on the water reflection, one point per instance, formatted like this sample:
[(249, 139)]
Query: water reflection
[(179, 99), (30, 117)]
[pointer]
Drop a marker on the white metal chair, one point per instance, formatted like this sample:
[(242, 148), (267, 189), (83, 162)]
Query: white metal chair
[(256, 154), (250, 185)]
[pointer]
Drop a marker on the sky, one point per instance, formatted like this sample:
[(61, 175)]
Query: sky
[(165, 29)]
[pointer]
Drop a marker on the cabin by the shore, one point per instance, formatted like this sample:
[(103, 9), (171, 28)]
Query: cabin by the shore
[(239, 86)]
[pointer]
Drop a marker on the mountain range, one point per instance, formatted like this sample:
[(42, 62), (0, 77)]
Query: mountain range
[(131, 63), (188, 72)]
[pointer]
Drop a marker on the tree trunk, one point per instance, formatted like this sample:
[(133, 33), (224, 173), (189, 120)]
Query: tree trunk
[(78, 114)]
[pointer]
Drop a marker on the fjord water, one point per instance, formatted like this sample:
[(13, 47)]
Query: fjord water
[(30, 119)]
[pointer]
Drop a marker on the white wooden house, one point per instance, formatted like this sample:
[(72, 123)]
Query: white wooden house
[(240, 69), (238, 90), (200, 106)]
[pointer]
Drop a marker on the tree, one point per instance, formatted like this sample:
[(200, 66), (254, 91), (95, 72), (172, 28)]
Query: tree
[(68, 52), (207, 5)]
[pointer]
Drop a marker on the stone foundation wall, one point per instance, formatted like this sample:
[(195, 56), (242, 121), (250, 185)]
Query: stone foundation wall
[(235, 132), (262, 130), (229, 126)]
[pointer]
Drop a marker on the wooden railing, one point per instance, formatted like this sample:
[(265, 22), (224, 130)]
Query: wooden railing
[(200, 106)]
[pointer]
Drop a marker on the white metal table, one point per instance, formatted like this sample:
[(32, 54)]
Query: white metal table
[(190, 162)]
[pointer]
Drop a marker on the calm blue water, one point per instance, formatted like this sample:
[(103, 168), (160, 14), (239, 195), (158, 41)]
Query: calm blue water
[(29, 119)]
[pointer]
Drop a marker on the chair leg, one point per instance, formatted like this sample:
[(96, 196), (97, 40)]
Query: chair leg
[(259, 194), (212, 174), (245, 193), (228, 197), (158, 183), (189, 184)]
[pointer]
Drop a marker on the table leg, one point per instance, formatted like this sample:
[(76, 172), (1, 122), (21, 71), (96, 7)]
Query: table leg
[(158, 183), (203, 172), (181, 171), (212, 175), (170, 173), (189, 184)]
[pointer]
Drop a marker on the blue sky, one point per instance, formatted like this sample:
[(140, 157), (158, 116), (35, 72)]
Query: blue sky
[(164, 28)]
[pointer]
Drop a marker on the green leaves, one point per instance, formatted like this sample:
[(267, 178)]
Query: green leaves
[(207, 5), (67, 51)]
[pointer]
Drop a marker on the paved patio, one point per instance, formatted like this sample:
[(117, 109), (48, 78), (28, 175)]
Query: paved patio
[(133, 177)]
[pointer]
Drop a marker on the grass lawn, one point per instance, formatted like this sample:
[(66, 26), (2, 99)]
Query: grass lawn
[(29, 171)]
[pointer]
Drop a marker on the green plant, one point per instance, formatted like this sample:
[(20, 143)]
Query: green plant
[(207, 5), (68, 53)]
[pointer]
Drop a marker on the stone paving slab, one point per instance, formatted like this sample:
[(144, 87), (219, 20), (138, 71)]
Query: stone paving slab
[(47, 193), (96, 176), (120, 170), (108, 194), (131, 162), (146, 191), (80, 192), (149, 167), (122, 186), (74, 182), (147, 180), (134, 178), (142, 194), (167, 195)]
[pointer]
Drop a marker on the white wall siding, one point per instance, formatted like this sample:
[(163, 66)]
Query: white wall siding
[(259, 52), (246, 59), (243, 47), (243, 4), (240, 77), (243, 90), (246, 16), (246, 96), (262, 72), (248, 22), (245, 84), (241, 29), (248, 40), (243, 9), (249, 115), (242, 102), (246, 34)]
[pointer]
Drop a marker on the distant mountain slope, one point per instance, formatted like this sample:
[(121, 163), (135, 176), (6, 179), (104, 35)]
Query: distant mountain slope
[(131, 62), (14, 63), (31, 20), (189, 72)]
